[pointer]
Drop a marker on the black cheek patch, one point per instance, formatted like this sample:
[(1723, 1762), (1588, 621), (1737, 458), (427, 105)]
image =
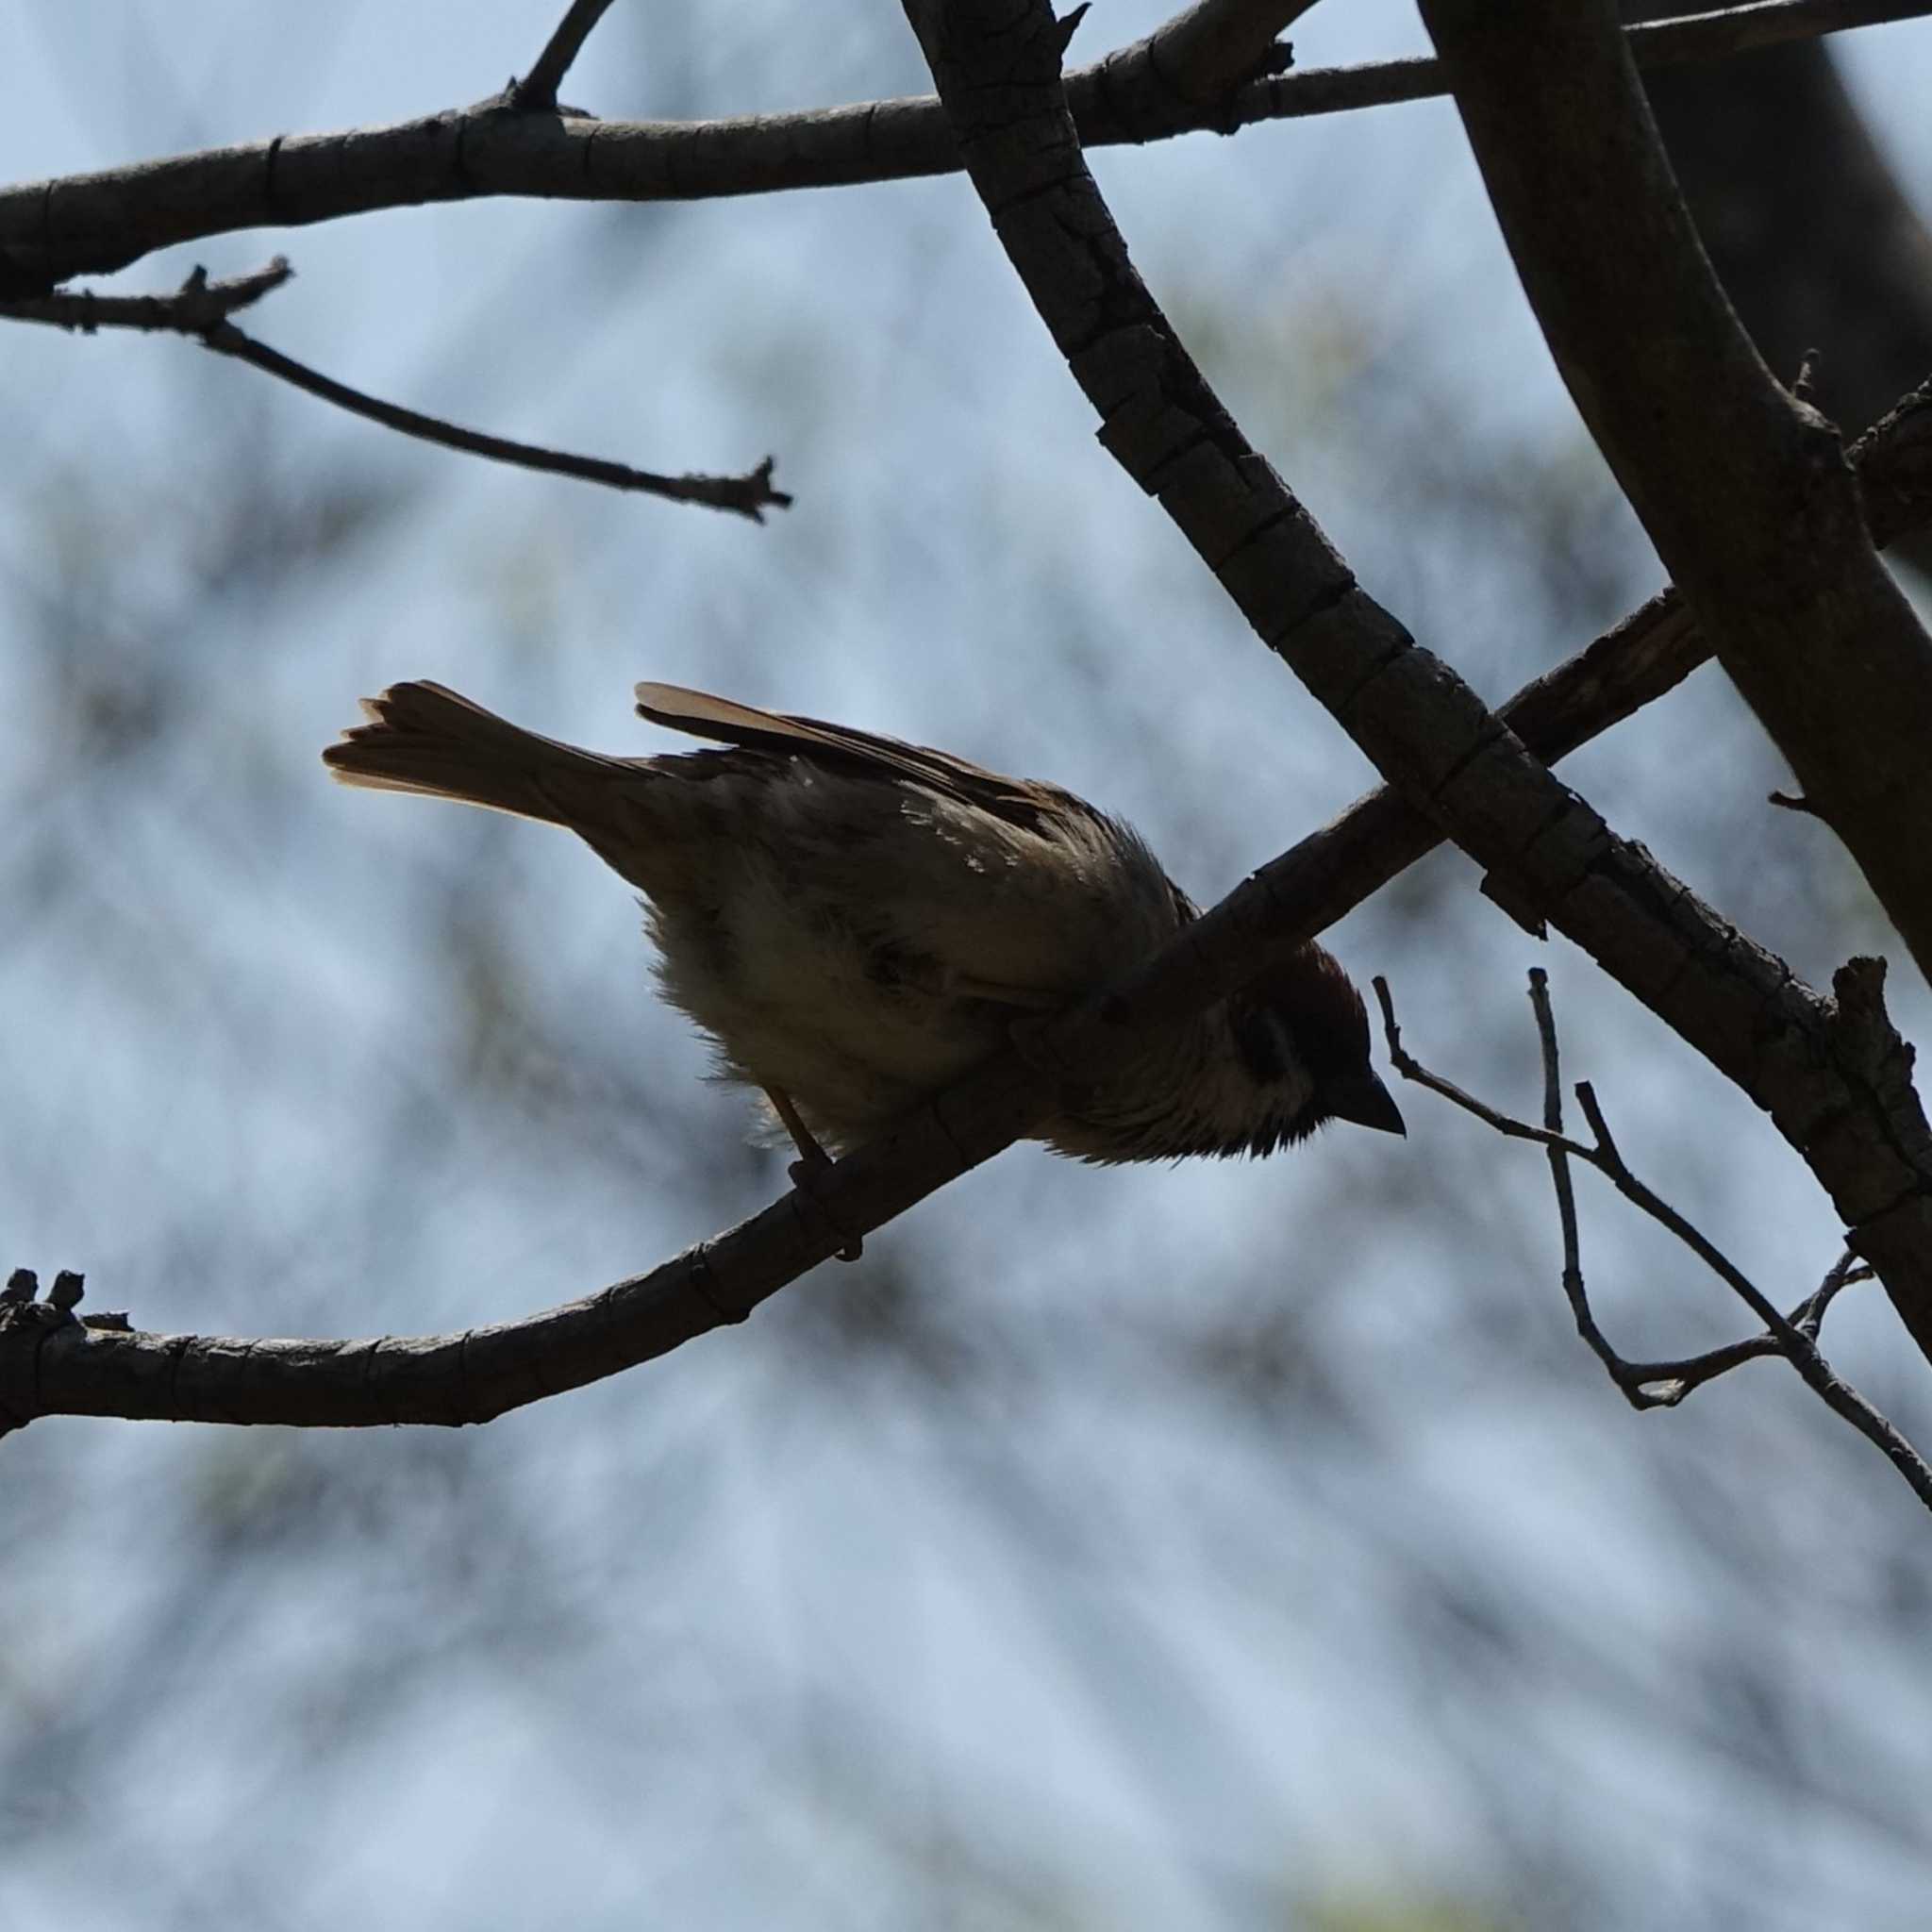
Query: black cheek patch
[(1259, 1041)]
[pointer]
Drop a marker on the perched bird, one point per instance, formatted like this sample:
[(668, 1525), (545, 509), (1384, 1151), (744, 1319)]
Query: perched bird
[(857, 921)]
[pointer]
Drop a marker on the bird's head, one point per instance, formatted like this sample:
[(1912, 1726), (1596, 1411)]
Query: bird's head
[(1304, 1017)]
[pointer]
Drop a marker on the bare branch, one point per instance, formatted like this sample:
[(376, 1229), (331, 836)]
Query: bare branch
[(1793, 1337), (1605, 1159), (749, 495), (1743, 488), (1808, 1316), (198, 305), (53, 230), (535, 94), (1550, 1136), (1573, 1290), (201, 308)]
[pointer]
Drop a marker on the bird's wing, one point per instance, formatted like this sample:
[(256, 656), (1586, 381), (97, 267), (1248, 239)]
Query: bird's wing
[(1015, 893), (724, 722)]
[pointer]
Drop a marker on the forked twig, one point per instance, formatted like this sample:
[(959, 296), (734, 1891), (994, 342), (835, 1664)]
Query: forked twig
[(1664, 1384)]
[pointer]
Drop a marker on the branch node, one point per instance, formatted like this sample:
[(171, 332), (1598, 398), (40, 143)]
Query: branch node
[(535, 93), (1586, 1099)]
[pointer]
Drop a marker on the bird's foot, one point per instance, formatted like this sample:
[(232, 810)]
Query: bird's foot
[(806, 1175), (809, 1169)]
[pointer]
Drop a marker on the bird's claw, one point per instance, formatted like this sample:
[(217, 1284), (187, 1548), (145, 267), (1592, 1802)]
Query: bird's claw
[(805, 1175)]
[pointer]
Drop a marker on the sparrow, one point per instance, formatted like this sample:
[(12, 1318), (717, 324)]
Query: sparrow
[(858, 923)]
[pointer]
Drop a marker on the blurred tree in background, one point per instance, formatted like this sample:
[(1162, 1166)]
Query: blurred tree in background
[(1218, 1546)]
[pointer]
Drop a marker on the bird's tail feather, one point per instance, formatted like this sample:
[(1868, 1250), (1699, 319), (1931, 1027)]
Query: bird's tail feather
[(425, 738)]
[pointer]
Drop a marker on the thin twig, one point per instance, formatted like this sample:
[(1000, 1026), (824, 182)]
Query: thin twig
[(1818, 1374), (1410, 1068), (535, 94), (1662, 1385), (1649, 1384), (201, 308), (1608, 1162), (1808, 1316), (749, 495), (1574, 1289), (196, 306)]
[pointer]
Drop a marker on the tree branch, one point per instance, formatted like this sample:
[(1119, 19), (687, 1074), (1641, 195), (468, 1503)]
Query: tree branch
[(95, 223), (1834, 1084), (1742, 487), (201, 308)]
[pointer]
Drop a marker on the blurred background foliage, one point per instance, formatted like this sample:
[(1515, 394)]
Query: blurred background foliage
[(1246, 1546)]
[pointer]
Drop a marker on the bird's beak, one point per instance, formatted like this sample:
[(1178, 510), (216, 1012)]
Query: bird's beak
[(1363, 1099)]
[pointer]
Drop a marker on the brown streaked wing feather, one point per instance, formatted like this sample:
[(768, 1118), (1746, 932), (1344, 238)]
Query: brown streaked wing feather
[(724, 722)]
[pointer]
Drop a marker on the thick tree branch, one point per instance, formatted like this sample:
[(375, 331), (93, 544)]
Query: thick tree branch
[(201, 308), (95, 223), (1834, 1077), (1742, 487)]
